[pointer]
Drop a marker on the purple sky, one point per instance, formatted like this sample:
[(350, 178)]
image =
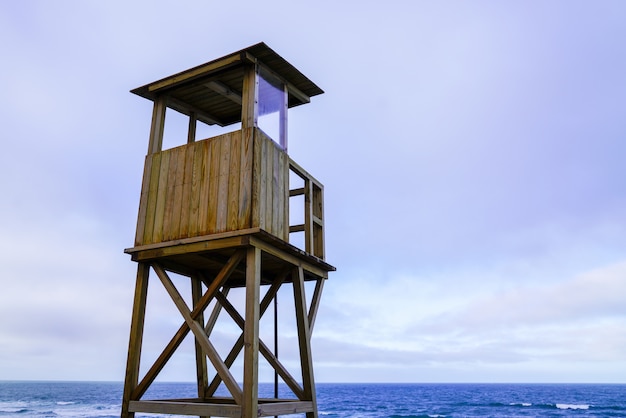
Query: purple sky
[(471, 154)]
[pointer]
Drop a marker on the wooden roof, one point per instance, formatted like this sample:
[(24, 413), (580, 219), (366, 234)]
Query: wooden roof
[(213, 90)]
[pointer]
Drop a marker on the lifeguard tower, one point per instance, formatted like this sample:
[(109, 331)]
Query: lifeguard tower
[(216, 212)]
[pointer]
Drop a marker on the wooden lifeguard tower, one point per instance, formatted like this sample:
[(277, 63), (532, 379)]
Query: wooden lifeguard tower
[(216, 212)]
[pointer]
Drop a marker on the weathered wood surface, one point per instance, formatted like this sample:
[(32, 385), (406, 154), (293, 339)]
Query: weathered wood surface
[(231, 182)]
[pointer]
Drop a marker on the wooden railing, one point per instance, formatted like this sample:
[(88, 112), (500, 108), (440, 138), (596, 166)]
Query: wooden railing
[(313, 226)]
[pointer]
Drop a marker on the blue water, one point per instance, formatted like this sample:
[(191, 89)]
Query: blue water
[(89, 399)]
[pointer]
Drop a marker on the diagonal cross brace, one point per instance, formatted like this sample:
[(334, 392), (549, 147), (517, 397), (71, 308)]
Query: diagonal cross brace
[(238, 346), (200, 334), (265, 351), (184, 329)]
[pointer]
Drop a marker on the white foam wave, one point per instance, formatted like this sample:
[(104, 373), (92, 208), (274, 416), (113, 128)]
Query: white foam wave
[(571, 406)]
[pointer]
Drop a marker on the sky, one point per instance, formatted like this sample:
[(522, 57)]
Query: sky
[(472, 157)]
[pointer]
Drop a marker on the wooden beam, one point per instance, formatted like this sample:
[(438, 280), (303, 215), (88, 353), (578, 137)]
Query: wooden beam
[(202, 378), (195, 72), (191, 131), (136, 338), (284, 408), (186, 408), (296, 192), (155, 142), (201, 337), (304, 339), (315, 302), (296, 261), (225, 91), (251, 335), (200, 114), (250, 96)]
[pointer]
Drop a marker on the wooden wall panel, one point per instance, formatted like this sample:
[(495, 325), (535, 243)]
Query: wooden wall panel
[(227, 183)]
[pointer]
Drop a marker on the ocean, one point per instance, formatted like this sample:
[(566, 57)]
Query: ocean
[(98, 399)]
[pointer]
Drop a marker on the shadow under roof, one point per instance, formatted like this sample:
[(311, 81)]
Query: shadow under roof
[(213, 90)]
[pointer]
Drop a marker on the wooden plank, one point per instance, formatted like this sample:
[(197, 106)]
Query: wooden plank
[(245, 176), (186, 408), (197, 175), (234, 172), (257, 181), (170, 201), (296, 192), (201, 337), (222, 188), (285, 408), (152, 198), (196, 247), (250, 399), (212, 200), (159, 211), (266, 183), (210, 163), (285, 195), (136, 337), (192, 240), (143, 200), (186, 198), (177, 212), (304, 339)]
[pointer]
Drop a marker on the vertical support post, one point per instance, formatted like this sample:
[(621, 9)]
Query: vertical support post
[(191, 132), (136, 337), (249, 97), (155, 142), (250, 400), (304, 339), (201, 364)]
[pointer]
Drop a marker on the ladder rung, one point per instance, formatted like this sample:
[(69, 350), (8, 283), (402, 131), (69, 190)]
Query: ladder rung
[(296, 192)]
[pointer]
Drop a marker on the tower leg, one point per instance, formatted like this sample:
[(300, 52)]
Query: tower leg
[(201, 363), (136, 337), (250, 400), (304, 339)]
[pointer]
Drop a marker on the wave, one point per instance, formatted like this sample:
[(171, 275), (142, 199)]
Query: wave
[(571, 406)]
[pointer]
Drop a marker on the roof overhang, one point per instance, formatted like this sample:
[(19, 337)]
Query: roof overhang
[(212, 91)]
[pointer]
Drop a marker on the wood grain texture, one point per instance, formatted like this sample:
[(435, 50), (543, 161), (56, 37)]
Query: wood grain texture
[(227, 183)]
